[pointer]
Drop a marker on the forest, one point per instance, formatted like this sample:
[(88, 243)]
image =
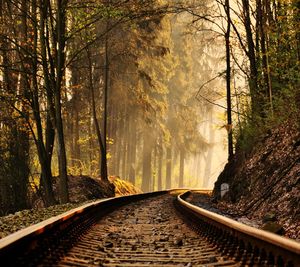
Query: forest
[(160, 93)]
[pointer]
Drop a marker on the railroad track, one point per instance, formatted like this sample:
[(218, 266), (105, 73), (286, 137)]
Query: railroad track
[(154, 229)]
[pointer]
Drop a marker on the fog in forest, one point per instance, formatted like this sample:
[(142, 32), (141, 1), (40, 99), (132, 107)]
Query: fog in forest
[(166, 117), (206, 160), (134, 90), (184, 133), (158, 93)]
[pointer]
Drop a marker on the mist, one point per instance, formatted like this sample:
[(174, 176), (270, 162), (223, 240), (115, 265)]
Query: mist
[(175, 135)]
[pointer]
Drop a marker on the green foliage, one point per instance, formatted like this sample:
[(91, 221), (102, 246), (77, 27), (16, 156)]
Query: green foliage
[(256, 128), (279, 97)]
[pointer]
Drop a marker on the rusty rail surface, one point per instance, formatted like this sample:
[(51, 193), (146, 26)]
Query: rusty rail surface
[(29, 246), (246, 244), (242, 245)]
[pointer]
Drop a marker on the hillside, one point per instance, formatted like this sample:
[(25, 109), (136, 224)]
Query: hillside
[(265, 183), (83, 189)]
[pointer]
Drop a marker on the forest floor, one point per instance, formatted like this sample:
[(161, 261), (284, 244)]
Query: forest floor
[(83, 189), (269, 221), (265, 183)]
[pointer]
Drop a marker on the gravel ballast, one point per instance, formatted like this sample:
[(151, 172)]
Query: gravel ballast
[(25, 218), (206, 202), (82, 189)]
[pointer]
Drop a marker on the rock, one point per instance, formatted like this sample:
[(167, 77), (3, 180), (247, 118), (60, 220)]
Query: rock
[(178, 242), (271, 188), (157, 246), (273, 227), (249, 222), (19, 214), (164, 238), (224, 189), (159, 219), (269, 217), (100, 248), (108, 244), (212, 259), (113, 235)]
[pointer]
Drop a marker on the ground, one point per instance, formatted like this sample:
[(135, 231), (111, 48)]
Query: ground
[(83, 189), (123, 187), (265, 183)]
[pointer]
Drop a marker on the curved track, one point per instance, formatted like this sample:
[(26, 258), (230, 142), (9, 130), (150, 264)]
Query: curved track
[(155, 229), (144, 233)]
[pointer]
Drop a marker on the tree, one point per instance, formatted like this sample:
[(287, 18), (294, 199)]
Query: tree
[(228, 81), (59, 68)]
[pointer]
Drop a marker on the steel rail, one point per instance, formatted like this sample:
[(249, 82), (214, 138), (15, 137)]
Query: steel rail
[(45, 227), (244, 243), (28, 246)]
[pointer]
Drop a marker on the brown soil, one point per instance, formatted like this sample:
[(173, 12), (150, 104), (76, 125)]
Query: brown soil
[(83, 189), (265, 181), (122, 187)]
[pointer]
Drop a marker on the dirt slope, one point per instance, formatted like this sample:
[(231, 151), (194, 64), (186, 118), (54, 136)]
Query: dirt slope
[(83, 189), (266, 182), (122, 187)]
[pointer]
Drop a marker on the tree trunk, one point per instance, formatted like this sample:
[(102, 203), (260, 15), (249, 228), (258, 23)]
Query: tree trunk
[(262, 17), (153, 176), (74, 121), (132, 166), (50, 137), (22, 140), (60, 62), (119, 142), (45, 150), (168, 167), (198, 161), (61, 152), (181, 168), (210, 153), (91, 142), (160, 162), (19, 147), (102, 151), (77, 150), (104, 173), (253, 83), (129, 146), (125, 147), (112, 136), (46, 176), (228, 82), (147, 159)]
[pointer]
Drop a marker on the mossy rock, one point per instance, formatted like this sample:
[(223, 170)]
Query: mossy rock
[(269, 217), (273, 227)]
